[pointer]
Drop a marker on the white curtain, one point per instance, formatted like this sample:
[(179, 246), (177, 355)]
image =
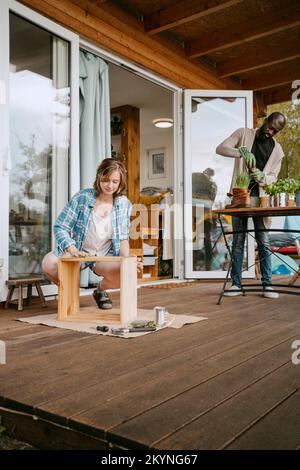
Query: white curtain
[(95, 140)]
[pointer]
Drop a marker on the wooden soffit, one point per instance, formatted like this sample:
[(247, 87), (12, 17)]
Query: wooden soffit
[(252, 44), (211, 44), (107, 25)]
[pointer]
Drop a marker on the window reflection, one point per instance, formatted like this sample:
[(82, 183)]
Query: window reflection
[(39, 142), (213, 119)]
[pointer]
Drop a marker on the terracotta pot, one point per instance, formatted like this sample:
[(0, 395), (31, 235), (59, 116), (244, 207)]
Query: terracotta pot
[(276, 200), (291, 200), (241, 197), (264, 201)]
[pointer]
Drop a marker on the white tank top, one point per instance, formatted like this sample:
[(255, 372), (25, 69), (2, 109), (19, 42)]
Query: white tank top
[(99, 236)]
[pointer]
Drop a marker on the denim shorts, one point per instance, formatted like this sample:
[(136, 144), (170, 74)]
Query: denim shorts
[(88, 264)]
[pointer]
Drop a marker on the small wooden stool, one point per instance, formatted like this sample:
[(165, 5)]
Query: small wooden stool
[(69, 292), (20, 283)]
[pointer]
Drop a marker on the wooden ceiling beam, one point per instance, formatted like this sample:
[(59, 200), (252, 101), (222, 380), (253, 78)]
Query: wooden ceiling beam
[(273, 78), (260, 107), (260, 57), (277, 95), (183, 12), (93, 23), (245, 31)]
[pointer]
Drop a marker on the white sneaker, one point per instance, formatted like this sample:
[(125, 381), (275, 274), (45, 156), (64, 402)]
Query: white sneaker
[(270, 293), (234, 291)]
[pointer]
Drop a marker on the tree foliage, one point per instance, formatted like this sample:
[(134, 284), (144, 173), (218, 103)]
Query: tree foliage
[(289, 138)]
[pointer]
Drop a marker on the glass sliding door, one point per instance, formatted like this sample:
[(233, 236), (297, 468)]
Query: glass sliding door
[(39, 82), (210, 117), (39, 138)]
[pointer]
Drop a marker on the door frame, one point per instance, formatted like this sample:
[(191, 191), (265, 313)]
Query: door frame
[(188, 254), (74, 177), (178, 260)]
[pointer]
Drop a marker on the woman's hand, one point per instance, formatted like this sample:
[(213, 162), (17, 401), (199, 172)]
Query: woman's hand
[(72, 251)]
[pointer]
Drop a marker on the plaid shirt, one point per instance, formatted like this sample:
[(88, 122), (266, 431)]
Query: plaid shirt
[(71, 226)]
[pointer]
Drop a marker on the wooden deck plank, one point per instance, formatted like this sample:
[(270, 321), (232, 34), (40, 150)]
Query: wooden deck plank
[(47, 435), (178, 367), (215, 427), (153, 393), (155, 338), (165, 394), (121, 356), (267, 432), (111, 387), (224, 324)]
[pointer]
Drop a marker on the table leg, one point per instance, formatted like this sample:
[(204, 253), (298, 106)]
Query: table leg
[(224, 285), (230, 264)]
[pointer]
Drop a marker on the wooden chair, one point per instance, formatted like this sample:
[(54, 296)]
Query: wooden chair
[(12, 284)]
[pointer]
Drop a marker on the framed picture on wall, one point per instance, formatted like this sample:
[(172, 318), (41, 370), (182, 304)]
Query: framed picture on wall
[(157, 163)]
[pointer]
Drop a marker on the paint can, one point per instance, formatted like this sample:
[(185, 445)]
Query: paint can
[(160, 315)]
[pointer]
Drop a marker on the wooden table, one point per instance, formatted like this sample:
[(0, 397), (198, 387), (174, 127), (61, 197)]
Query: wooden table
[(68, 291), (257, 212)]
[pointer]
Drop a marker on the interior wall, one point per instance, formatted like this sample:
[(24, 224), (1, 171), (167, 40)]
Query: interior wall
[(159, 138), (153, 102)]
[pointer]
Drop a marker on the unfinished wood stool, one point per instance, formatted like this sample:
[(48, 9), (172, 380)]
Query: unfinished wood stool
[(68, 291), (20, 283)]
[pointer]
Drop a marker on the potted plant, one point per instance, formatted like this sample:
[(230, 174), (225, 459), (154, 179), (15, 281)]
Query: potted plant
[(291, 187), (240, 193), (278, 188), (270, 190)]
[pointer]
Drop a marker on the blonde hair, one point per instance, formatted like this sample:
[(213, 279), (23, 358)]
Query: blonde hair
[(104, 170)]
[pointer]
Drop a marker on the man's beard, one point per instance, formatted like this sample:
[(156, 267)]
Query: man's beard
[(262, 136)]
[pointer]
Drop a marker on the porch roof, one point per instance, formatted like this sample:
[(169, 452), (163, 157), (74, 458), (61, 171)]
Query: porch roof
[(253, 43), (216, 44)]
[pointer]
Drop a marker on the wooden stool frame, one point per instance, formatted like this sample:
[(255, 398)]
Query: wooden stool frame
[(69, 290)]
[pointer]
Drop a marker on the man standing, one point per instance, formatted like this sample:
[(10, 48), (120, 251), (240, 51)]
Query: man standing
[(264, 162)]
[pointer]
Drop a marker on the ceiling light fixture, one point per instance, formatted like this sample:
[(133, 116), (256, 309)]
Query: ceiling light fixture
[(163, 122)]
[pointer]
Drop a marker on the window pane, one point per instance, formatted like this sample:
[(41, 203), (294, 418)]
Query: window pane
[(39, 141), (213, 119)]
